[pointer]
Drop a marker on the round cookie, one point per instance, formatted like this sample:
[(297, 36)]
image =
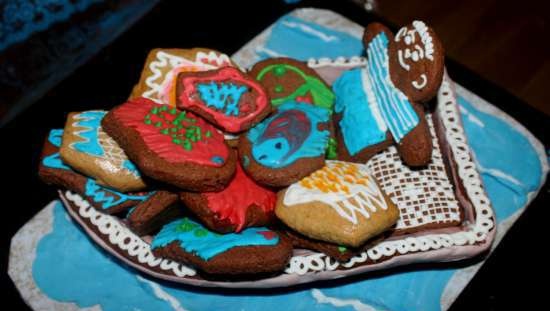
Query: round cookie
[(287, 146), (287, 79), (91, 151), (253, 250), (340, 203), (242, 204), (172, 146), (225, 97)]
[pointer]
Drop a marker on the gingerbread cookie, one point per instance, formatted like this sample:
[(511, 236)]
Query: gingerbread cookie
[(172, 146), (54, 171), (339, 252), (287, 79), (152, 214), (226, 97), (340, 203), (89, 150), (158, 78), (379, 105), (287, 146), (242, 204), (254, 250)]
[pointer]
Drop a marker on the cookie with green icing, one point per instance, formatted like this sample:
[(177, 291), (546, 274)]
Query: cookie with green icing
[(287, 79), (251, 251)]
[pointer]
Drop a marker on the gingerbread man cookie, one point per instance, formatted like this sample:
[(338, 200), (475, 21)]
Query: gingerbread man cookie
[(380, 105)]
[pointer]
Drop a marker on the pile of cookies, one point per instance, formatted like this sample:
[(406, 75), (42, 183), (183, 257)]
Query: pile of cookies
[(229, 170)]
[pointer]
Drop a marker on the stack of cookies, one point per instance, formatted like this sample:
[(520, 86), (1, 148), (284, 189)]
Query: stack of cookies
[(229, 170)]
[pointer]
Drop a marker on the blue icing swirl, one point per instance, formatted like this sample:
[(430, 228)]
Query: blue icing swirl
[(91, 122), (222, 96), (289, 135), (194, 238), (105, 196), (352, 103)]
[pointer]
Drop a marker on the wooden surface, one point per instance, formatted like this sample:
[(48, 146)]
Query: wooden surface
[(506, 42)]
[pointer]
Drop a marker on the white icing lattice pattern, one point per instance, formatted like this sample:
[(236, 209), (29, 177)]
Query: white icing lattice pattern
[(124, 239), (423, 196)]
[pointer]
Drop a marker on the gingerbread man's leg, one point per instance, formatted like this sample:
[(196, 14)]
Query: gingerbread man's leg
[(416, 147)]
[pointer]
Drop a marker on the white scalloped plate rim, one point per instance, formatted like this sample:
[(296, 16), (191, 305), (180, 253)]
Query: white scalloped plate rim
[(308, 266)]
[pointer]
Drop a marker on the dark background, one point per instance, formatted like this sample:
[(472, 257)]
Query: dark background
[(510, 276)]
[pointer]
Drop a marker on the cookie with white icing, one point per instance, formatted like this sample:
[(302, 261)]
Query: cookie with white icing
[(251, 251), (288, 145), (340, 203), (91, 151), (380, 104), (157, 80)]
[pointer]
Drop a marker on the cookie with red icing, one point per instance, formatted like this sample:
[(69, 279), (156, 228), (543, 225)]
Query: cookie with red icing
[(172, 146), (251, 251), (286, 79), (226, 97), (242, 204), (381, 104), (288, 145), (158, 78)]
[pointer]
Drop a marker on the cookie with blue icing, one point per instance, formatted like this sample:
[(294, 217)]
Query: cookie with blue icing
[(91, 151), (381, 104), (288, 145), (52, 170), (251, 251)]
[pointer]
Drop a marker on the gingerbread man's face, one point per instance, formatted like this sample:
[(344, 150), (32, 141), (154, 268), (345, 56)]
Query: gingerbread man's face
[(414, 58)]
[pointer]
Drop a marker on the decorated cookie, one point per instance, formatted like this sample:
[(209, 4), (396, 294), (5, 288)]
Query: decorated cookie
[(226, 97), (338, 252), (287, 146), (172, 146), (242, 204), (254, 250), (340, 203), (286, 79), (89, 150), (157, 81), (54, 171), (152, 214), (378, 105)]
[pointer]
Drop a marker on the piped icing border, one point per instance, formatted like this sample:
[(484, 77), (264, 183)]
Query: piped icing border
[(339, 62), (124, 239), (448, 112)]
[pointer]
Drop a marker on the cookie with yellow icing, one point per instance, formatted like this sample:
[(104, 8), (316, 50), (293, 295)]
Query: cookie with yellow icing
[(340, 203)]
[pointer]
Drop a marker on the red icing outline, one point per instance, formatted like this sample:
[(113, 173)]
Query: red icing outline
[(189, 97), (268, 235), (132, 114), (241, 193)]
